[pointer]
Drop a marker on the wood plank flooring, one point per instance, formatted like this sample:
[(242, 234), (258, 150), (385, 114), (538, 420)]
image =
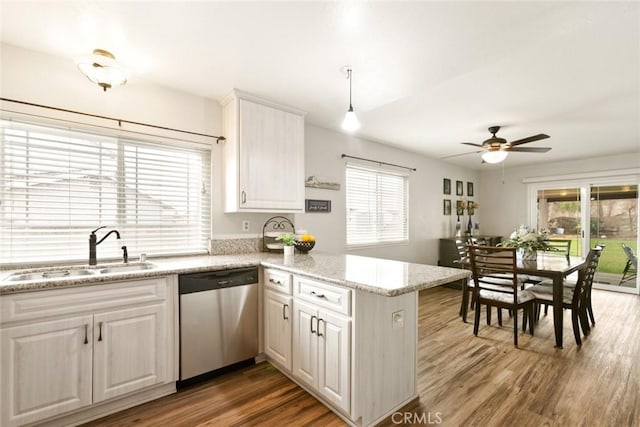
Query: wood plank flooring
[(463, 380)]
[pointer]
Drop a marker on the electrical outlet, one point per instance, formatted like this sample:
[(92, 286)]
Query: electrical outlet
[(245, 225)]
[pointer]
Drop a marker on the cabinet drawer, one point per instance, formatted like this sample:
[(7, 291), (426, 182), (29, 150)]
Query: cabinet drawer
[(94, 297), (277, 280), (323, 294)]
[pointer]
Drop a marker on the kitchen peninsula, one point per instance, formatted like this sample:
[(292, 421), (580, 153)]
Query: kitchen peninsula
[(344, 327)]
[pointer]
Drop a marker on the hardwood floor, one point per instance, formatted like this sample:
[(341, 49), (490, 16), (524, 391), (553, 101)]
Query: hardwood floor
[(463, 380)]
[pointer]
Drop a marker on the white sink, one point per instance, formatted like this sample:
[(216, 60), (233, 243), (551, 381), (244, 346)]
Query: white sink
[(75, 272), (128, 268)]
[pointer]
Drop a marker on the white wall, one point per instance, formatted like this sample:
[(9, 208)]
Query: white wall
[(426, 222), (31, 76), (505, 197)]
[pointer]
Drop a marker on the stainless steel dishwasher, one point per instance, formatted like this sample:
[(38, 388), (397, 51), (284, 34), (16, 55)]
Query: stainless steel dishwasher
[(218, 320)]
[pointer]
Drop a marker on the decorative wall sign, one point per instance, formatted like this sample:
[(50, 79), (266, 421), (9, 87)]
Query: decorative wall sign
[(446, 186), (311, 205), (470, 189), (321, 182), (446, 207), (459, 188)]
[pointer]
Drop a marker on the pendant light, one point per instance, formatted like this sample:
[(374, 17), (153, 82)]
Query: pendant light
[(102, 69), (350, 122)]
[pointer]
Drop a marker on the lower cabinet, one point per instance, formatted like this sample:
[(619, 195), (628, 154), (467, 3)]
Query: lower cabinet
[(322, 351), (94, 351), (277, 336)]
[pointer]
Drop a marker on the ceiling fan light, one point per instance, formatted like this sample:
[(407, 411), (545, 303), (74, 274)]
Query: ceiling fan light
[(102, 69), (350, 122), (494, 156)]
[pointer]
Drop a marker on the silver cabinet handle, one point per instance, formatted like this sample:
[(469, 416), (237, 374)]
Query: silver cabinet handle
[(311, 324), (100, 331), (244, 197), (86, 334), (325, 326), (284, 311), (317, 295), (277, 282)]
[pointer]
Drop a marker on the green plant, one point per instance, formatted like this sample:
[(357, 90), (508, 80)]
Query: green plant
[(289, 239)]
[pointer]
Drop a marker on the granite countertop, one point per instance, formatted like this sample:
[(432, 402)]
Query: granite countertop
[(380, 276)]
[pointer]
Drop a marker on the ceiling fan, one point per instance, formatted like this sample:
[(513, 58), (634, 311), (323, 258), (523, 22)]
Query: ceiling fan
[(495, 149)]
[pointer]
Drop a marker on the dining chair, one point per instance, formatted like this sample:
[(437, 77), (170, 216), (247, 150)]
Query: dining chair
[(467, 284), (576, 298), (496, 285), (556, 247), (630, 271)]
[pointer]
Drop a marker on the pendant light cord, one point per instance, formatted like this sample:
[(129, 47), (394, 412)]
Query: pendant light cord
[(350, 79)]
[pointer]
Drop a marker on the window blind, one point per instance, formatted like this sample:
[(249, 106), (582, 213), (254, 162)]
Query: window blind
[(59, 184), (377, 206)]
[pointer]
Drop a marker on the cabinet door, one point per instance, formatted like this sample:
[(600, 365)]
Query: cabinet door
[(277, 321), (271, 158), (334, 357), (305, 342), (130, 350), (46, 369)]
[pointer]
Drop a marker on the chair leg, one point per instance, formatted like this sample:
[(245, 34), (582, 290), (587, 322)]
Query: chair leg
[(546, 309), (525, 319), (590, 310), (584, 321), (576, 326), (515, 328), (488, 314), (476, 321), (531, 318), (500, 316), (464, 306)]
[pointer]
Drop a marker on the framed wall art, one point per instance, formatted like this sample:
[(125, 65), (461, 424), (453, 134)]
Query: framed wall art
[(459, 188), (470, 189), (446, 207), (446, 186)]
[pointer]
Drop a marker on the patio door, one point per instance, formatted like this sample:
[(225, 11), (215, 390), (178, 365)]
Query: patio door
[(603, 211)]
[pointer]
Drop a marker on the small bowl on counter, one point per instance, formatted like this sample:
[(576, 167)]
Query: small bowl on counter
[(304, 247)]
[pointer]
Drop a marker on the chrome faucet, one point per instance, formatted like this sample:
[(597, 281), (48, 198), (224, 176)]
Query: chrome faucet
[(94, 242)]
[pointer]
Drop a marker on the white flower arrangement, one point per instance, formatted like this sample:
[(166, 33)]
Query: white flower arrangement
[(526, 238)]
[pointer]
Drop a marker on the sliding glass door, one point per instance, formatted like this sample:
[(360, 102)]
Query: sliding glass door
[(589, 213)]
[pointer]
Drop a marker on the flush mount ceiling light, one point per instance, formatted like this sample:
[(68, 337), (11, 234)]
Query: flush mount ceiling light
[(495, 156), (102, 69), (350, 122)]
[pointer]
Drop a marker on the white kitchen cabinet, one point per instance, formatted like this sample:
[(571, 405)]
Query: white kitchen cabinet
[(129, 351), (277, 321), (46, 369), (263, 155), (322, 352), (71, 348)]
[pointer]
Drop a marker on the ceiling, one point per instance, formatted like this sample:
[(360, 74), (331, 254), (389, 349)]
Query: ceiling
[(427, 75)]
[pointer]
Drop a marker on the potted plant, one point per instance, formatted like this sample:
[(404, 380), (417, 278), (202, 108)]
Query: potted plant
[(289, 240)]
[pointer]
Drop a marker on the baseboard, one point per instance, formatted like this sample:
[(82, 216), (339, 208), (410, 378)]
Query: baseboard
[(100, 410)]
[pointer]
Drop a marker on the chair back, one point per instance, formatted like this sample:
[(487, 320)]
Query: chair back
[(494, 268), (631, 257), (560, 247), (585, 276), (461, 247)]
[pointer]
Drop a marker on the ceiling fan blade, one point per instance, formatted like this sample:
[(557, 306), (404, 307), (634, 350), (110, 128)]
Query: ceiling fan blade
[(529, 149), (458, 155), (528, 139), (472, 144)]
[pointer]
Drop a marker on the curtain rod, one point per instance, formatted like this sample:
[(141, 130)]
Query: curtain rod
[(380, 163), (120, 121)]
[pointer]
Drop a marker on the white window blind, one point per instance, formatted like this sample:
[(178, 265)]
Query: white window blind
[(60, 184), (377, 206)]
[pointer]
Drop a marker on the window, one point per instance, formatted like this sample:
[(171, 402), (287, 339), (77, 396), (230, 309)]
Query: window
[(57, 185), (377, 206)]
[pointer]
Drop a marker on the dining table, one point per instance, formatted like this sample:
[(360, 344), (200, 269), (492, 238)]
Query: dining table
[(556, 268)]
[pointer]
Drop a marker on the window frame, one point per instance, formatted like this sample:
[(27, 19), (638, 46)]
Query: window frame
[(378, 171)]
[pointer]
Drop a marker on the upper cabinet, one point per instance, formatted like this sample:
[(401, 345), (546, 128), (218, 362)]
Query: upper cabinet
[(263, 155)]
